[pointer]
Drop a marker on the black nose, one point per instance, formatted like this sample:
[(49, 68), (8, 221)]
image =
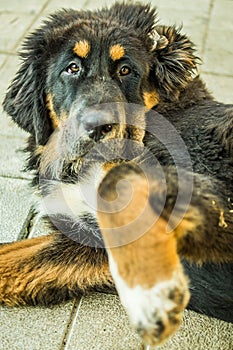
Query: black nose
[(98, 124)]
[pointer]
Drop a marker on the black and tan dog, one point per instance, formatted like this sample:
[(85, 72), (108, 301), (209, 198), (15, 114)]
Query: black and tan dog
[(104, 93)]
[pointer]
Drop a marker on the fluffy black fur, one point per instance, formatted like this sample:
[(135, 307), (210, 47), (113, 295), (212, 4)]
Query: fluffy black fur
[(164, 69)]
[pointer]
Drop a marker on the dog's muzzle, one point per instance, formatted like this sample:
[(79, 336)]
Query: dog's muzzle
[(97, 133), (87, 126), (104, 121)]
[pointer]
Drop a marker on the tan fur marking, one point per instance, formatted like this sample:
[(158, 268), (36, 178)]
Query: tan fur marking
[(23, 278), (116, 52), (151, 99), (155, 247), (108, 166), (28, 244), (70, 276), (39, 150), (53, 116), (50, 153), (82, 48), (13, 282)]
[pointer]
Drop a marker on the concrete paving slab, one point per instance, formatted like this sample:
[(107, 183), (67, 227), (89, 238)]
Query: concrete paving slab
[(197, 6), (219, 48), (15, 203), (9, 128), (22, 6), (192, 16), (200, 332), (2, 59), (221, 88), (101, 324), (55, 5), (97, 4), (35, 328), (12, 158), (13, 23), (7, 71)]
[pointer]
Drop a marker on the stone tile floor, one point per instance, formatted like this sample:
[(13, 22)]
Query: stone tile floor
[(98, 321)]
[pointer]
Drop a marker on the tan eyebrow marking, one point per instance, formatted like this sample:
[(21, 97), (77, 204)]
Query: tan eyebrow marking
[(116, 52), (82, 48), (150, 99)]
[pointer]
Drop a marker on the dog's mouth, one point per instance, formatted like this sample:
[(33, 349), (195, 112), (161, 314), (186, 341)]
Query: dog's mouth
[(61, 159)]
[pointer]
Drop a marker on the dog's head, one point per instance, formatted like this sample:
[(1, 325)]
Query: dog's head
[(81, 70)]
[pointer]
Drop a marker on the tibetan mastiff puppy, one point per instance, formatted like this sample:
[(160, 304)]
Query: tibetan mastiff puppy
[(132, 162)]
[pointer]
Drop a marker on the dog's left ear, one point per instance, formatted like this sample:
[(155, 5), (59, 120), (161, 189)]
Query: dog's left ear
[(174, 61), (24, 100)]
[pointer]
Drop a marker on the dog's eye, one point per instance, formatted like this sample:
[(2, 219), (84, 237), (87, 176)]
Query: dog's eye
[(124, 70), (73, 68)]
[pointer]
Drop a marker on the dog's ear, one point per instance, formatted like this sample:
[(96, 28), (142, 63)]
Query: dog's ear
[(174, 61), (24, 100)]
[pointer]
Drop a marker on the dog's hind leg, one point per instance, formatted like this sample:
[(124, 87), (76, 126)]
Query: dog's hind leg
[(50, 269), (202, 226)]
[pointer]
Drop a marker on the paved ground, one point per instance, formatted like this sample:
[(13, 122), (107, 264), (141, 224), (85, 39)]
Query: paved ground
[(98, 321)]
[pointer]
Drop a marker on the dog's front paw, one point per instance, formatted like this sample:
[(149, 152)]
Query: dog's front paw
[(156, 313)]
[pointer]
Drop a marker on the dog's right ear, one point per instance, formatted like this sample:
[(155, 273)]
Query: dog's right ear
[(24, 100), (175, 61)]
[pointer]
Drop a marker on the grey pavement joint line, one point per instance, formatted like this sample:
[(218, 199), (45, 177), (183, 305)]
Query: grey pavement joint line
[(14, 177), (205, 33), (86, 3), (27, 225), (217, 74), (73, 318), (7, 53), (19, 41)]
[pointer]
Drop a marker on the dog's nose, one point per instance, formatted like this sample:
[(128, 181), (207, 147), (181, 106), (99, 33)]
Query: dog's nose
[(98, 124)]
